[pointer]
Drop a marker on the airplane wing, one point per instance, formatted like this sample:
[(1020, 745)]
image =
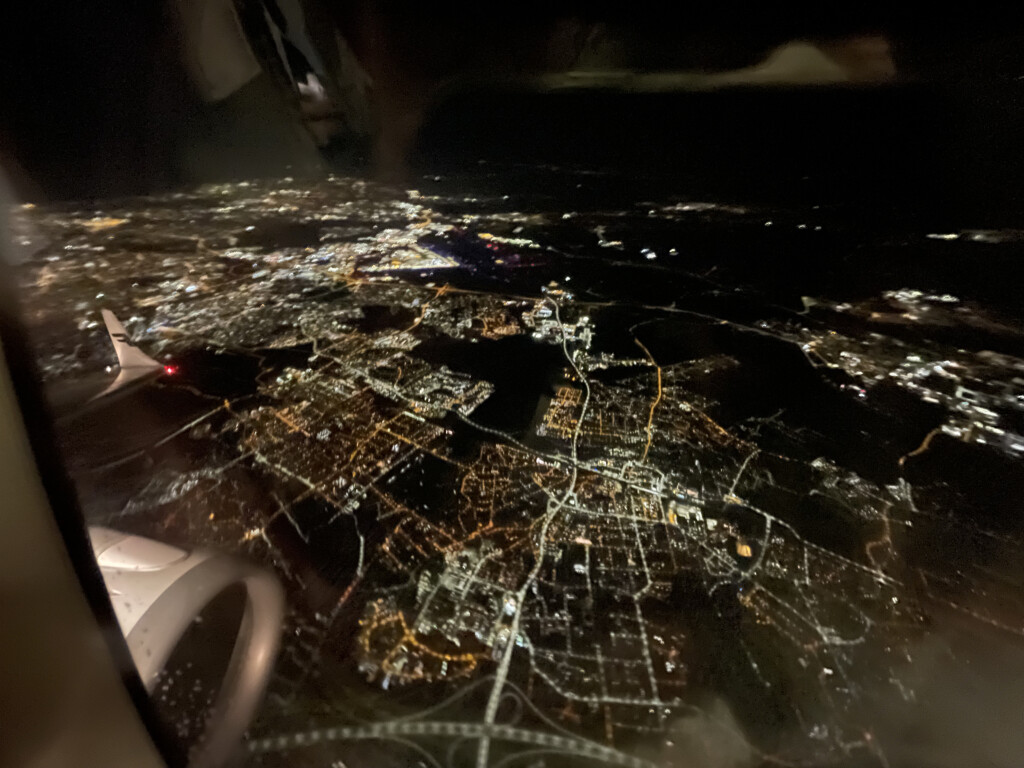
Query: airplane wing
[(126, 377)]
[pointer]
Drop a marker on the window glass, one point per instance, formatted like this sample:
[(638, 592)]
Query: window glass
[(597, 394)]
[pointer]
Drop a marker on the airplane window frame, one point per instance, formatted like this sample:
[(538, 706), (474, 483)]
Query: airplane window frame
[(62, 500)]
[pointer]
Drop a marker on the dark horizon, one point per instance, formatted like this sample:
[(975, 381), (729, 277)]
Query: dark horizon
[(99, 105)]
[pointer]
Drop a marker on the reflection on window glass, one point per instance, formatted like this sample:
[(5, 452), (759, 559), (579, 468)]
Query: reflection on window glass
[(704, 450)]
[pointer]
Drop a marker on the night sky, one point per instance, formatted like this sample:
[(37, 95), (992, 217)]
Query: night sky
[(96, 103)]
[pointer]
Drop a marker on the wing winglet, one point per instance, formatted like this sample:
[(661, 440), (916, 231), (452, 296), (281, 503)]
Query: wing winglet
[(128, 355)]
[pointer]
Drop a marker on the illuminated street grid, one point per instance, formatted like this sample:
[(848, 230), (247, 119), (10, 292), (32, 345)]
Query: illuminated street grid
[(573, 566)]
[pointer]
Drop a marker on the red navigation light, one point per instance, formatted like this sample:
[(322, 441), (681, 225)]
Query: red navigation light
[(170, 370)]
